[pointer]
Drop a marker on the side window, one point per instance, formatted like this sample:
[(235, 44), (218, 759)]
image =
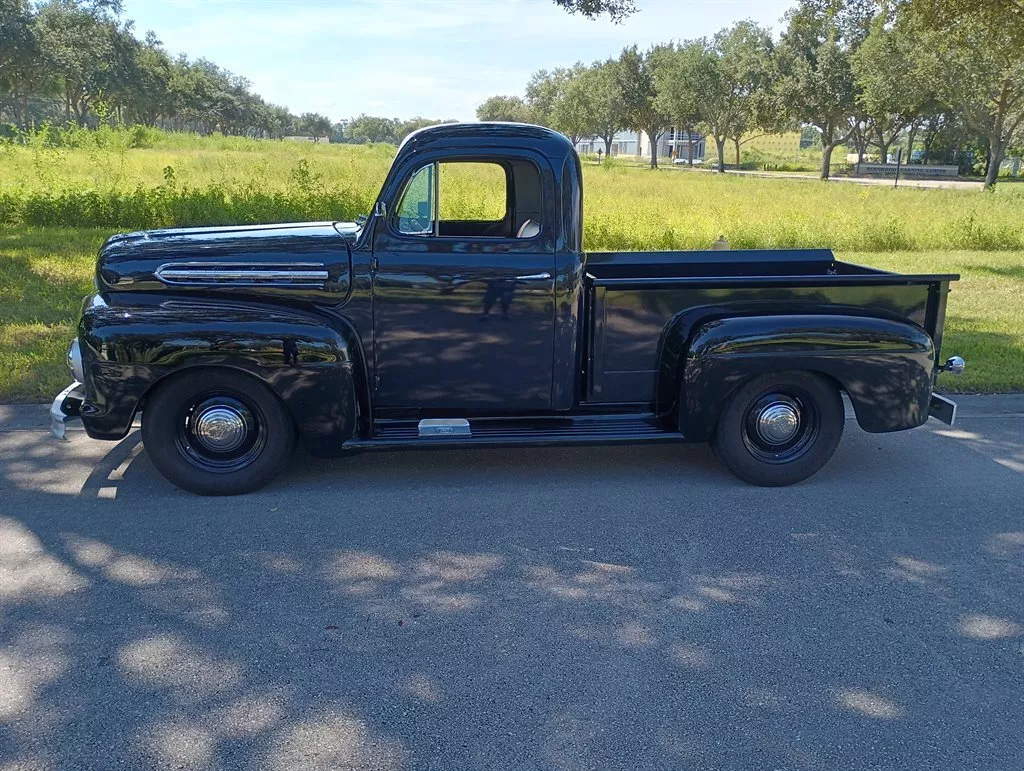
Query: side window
[(472, 192), (472, 199), (416, 211)]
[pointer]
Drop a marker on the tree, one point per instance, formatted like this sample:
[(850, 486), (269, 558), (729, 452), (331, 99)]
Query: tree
[(149, 96), (640, 110), (77, 38), (980, 46), (503, 108), (367, 128), (616, 9), (600, 82), (679, 86), (543, 90), (24, 69), (735, 79), (574, 111), (816, 74), (890, 72), (315, 124)]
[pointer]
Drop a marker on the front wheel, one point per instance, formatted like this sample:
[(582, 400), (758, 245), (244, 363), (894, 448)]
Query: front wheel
[(780, 428), (217, 432)]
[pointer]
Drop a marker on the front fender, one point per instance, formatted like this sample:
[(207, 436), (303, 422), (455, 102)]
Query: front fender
[(312, 363), (885, 366)]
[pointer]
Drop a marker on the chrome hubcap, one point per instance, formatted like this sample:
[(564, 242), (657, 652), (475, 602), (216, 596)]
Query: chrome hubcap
[(778, 423), (220, 428)]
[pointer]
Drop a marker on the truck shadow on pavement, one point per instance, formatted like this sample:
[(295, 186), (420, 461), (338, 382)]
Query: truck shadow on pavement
[(555, 608)]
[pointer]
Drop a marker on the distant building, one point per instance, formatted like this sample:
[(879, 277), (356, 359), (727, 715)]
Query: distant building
[(673, 143), (299, 139)]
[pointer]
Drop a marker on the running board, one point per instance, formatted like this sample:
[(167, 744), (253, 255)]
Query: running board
[(505, 432)]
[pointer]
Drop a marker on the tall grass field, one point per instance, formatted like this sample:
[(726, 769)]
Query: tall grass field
[(189, 181), (60, 199)]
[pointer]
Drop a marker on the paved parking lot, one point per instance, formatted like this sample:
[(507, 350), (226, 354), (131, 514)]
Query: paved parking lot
[(561, 608)]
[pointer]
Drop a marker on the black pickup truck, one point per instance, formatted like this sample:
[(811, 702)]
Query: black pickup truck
[(410, 330)]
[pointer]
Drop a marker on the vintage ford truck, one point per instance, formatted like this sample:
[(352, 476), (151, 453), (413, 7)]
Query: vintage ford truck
[(413, 330)]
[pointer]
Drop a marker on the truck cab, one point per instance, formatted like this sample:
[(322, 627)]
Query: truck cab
[(450, 318), (495, 293)]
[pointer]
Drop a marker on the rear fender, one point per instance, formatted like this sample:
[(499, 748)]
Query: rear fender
[(314, 364), (885, 366)]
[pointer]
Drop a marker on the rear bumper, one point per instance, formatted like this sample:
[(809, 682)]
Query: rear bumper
[(943, 409), (66, 406)]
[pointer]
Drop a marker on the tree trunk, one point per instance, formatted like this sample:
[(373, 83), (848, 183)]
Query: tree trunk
[(720, 144), (995, 160), (652, 136), (23, 118), (911, 135), (826, 159), (736, 142), (883, 149), (608, 145), (689, 146)]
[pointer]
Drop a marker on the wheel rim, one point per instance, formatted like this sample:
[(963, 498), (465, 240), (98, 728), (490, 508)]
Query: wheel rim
[(780, 426), (221, 432)]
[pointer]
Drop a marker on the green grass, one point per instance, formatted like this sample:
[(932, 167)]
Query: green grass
[(45, 272), (97, 183), (191, 181), (984, 315)]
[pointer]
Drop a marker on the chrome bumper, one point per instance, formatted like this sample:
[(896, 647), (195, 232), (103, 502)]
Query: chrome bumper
[(943, 409), (67, 406)]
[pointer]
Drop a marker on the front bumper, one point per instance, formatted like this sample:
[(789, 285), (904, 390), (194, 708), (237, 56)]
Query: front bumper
[(67, 406)]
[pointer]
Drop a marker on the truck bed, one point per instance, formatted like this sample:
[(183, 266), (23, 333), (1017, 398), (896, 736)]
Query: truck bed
[(632, 296)]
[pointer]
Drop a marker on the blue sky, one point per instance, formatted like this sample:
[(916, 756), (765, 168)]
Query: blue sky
[(399, 58)]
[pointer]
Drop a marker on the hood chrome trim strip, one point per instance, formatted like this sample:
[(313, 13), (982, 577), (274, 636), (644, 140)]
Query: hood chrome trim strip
[(299, 274)]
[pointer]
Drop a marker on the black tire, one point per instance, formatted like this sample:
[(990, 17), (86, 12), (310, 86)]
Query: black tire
[(808, 424), (217, 432)]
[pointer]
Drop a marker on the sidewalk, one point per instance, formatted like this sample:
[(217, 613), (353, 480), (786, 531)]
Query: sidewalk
[(948, 184), (36, 417)]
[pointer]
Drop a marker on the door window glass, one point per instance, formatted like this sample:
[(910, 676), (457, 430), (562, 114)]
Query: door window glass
[(472, 199), (416, 211)]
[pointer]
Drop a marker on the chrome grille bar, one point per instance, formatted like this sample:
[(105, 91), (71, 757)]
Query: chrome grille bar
[(299, 274)]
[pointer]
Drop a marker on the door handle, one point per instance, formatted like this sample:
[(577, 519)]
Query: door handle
[(534, 277)]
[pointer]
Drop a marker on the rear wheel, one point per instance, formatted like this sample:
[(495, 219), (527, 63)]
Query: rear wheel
[(780, 428), (217, 432)]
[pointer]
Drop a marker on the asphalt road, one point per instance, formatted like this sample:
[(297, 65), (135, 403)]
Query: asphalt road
[(627, 608)]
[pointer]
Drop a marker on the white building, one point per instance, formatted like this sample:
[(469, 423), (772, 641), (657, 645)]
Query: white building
[(673, 143)]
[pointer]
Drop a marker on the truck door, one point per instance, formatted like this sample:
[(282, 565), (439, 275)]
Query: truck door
[(463, 287)]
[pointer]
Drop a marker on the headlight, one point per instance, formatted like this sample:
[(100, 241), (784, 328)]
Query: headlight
[(75, 361)]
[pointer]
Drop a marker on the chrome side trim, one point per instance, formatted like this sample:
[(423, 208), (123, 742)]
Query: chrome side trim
[(429, 427), (298, 274)]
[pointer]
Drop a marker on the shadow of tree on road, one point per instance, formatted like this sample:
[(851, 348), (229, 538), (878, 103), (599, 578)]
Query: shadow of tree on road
[(586, 608)]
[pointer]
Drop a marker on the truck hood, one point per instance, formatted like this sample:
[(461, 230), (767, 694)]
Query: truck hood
[(307, 257)]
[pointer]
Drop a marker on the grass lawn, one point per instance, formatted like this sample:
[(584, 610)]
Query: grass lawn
[(45, 272)]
